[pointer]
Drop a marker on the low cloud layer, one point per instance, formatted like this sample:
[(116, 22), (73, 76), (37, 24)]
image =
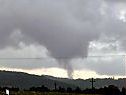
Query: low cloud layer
[(64, 28)]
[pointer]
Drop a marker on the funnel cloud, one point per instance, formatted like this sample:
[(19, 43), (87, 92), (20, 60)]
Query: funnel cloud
[(65, 28)]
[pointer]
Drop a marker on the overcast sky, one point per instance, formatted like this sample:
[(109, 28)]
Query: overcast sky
[(66, 34)]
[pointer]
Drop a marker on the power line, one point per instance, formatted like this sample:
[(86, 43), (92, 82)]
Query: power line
[(105, 56), (29, 58), (24, 58)]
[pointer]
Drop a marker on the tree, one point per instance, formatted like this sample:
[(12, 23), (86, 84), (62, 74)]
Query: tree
[(124, 91), (112, 90), (78, 90), (69, 90), (61, 89)]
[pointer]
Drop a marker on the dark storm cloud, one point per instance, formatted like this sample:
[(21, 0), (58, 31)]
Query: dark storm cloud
[(48, 24), (65, 28)]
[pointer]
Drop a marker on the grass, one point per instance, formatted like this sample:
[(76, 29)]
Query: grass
[(46, 93), (38, 93)]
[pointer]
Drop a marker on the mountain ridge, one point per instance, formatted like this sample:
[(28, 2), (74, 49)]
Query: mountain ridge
[(25, 81)]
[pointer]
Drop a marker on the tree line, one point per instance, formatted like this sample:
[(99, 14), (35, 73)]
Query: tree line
[(107, 90)]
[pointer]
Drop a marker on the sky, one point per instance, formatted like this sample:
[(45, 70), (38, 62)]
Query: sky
[(63, 38)]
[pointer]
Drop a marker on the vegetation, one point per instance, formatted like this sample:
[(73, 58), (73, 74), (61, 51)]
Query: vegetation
[(25, 84), (110, 90), (25, 81), (45, 93)]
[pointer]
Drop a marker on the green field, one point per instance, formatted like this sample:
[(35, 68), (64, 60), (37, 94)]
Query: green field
[(46, 93)]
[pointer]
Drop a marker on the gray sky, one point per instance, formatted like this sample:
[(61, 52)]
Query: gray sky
[(63, 31)]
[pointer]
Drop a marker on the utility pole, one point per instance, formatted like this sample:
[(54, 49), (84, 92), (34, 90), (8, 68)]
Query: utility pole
[(92, 83), (125, 65), (55, 86)]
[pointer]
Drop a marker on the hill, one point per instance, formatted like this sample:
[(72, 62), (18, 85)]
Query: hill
[(25, 81)]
